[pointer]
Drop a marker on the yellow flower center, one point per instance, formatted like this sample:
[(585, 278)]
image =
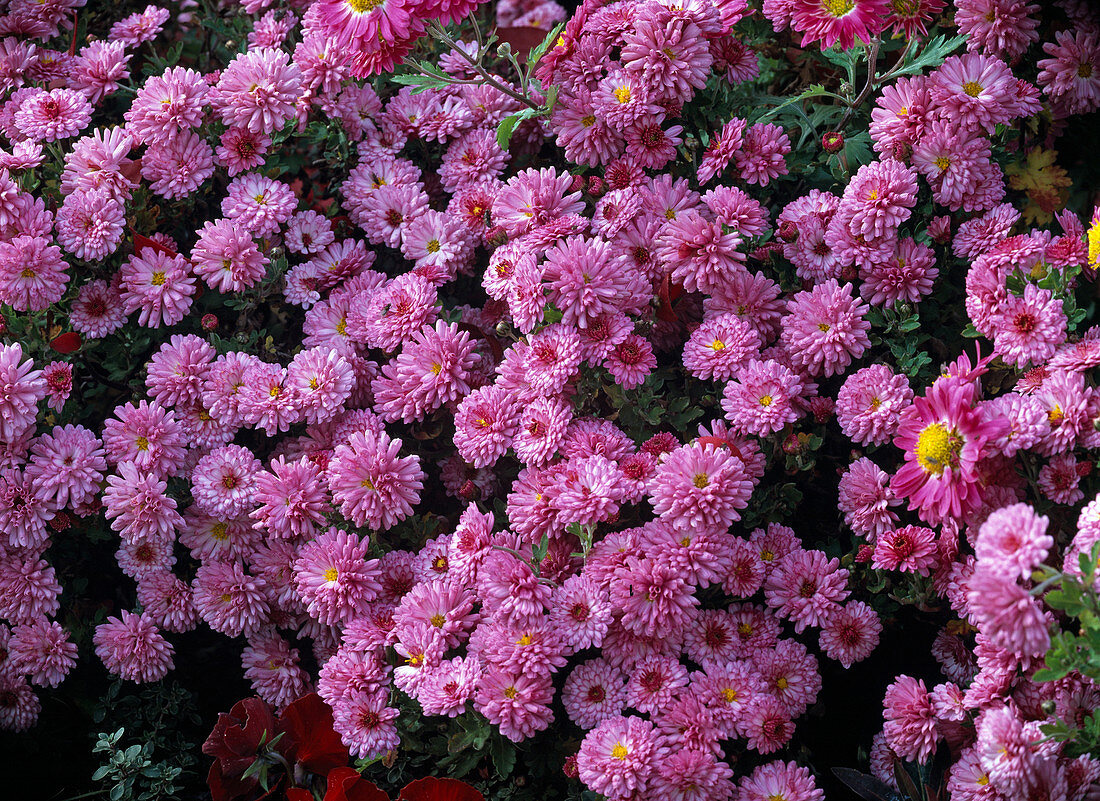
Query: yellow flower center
[(622, 94), (972, 88), (588, 121), (938, 448), (510, 692), (142, 443), (823, 326), (1055, 415), (157, 279), (436, 367), (943, 162), (838, 8), (729, 694), (872, 195), (700, 480), (766, 401), (438, 620), (27, 273), (620, 751), (1084, 70), (366, 484), (782, 683), (331, 574), (524, 640), (717, 345), (220, 531), (433, 246), (875, 403)]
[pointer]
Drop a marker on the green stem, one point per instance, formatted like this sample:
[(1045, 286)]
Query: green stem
[(436, 30), (872, 60)]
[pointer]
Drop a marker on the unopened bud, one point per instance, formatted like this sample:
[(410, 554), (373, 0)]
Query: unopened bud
[(822, 408), (60, 522), (496, 236), (787, 231), (865, 553), (3, 325), (578, 184), (596, 186), (209, 322), (469, 491), (1084, 468), (902, 151), (570, 768), (792, 444), (832, 142), (940, 229)]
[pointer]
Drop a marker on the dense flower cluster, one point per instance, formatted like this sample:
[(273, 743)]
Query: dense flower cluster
[(443, 316)]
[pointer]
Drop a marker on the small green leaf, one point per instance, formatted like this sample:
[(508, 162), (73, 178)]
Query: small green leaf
[(505, 129)]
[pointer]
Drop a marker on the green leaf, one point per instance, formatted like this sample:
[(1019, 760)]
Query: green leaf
[(503, 754), (933, 54), (505, 129), (816, 90), (539, 50)]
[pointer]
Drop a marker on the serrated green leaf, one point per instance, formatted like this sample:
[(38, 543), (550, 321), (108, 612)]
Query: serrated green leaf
[(505, 129), (539, 50)]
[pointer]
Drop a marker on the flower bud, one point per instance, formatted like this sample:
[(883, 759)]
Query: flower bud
[(469, 491), (865, 553), (209, 322), (496, 236), (832, 142), (787, 231), (902, 151), (596, 186)]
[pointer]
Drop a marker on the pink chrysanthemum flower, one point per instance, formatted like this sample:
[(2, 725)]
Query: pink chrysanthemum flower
[(595, 691), (533, 198), (32, 273), (907, 275), (851, 633), (98, 309), (447, 688), (167, 601), (308, 232), (762, 398), (588, 277), (131, 647), (229, 600), (334, 578), (137, 505), (176, 371), (518, 705), (177, 167), (223, 481), (806, 588), (141, 26), (1007, 613), (652, 595), (837, 22), (654, 682), (1059, 479), (1070, 76), (865, 498), (42, 651), (98, 68), (59, 383), (977, 91), (21, 388), (870, 403), (89, 224), (911, 549), (762, 157), (371, 483), (322, 381), (257, 90), (147, 435), (393, 312), (826, 328), (259, 204), (878, 199), (721, 150), (700, 487), (48, 116), (766, 726), (1003, 28), (67, 465), (618, 758), (943, 435), (779, 780), (291, 498), (485, 423), (167, 105), (240, 150), (910, 722), (631, 361), (702, 254), (581, 612), (265, 400), (718, 347), (1013, 540), (1028, 329), (23, 515), (158, 286)]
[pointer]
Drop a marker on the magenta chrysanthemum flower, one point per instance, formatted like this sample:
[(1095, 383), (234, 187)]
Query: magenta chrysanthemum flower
[(371, 483), (618, 758), (588, 277), (291, 498), (595, 691), (167, 105), (943, 435), (98, 309), (147, 435), (806, 588), (762, 398), (177, 167), (976, 91), (825, 328), (1070, 76), (131, 647), (257, 90), (851, 633), (703, 256), (1002, 28), (910, 722), (322, 381), (700, 487), (774, 780), (907, 275), (533, 198), (167, 601), (1028, 329), (334, 578), (878, 199), (911, 549), (1007, 613), (869, 405), (653, 596)]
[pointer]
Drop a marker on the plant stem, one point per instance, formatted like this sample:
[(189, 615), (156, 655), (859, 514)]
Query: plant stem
[(872, 60), (436, 30)]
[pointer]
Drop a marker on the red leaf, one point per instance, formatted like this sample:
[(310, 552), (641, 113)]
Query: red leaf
[(142, 242), (298, 794), (433, 789), (664, 307), (345, 784), (312, 742), (66, 343), (523, 39), (718, 442)]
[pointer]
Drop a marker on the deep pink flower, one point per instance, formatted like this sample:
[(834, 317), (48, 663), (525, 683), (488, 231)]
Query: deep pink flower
[(131, 647), (806, 588), (334, 578), (371, 483), (700, 487), (910, 722), (825, 328), (618, 758)]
